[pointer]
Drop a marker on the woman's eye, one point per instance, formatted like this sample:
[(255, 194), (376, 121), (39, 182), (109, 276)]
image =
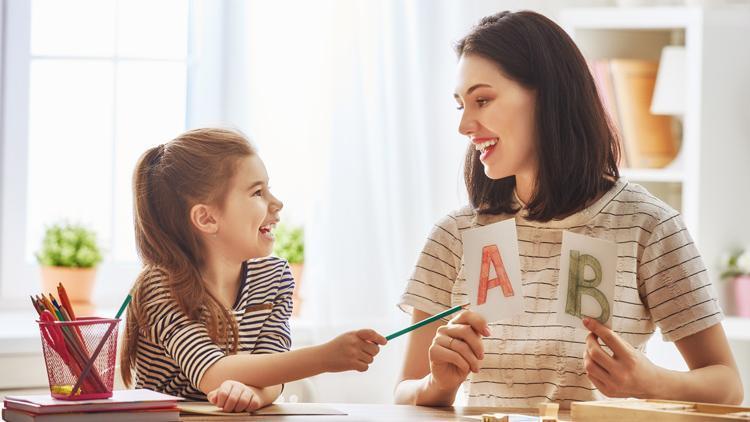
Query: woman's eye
[(258, 192), (482, 102), (459, 107)]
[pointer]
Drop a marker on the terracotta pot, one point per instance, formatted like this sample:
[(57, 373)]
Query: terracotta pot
[(741, 286), (297, 270), (78, 282)]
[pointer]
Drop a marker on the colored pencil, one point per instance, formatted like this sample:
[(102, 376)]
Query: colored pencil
[(423, 322)]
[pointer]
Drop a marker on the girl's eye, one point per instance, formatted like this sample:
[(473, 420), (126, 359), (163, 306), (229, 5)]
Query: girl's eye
[(258, 192)]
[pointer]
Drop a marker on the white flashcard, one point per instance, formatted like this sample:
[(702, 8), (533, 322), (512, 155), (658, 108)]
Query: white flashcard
[(493, 270), (586, 283)]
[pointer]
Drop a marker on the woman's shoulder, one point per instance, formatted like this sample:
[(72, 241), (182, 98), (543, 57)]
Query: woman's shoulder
[(638, 198)]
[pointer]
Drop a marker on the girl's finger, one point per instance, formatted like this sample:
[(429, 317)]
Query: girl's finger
[(232, 396), (243, 401)]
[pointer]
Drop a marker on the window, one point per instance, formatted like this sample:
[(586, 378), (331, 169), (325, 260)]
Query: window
[(90, 84)]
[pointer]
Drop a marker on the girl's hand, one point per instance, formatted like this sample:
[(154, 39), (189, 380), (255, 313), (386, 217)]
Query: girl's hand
[(457, 349), (353, 350), (234, 396), (625, 373)]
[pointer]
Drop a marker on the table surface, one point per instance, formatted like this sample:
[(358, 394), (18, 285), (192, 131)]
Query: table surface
[(386, 412)]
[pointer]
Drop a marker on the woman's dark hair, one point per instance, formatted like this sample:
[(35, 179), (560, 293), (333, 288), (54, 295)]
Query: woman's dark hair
[(577, 145)]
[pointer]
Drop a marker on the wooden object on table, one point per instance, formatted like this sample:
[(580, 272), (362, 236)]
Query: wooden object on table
[(548, 410), (634, 410)]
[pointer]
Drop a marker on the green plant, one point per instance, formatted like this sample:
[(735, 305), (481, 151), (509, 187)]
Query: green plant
[(69, 245), (735, 263), (290, 243)]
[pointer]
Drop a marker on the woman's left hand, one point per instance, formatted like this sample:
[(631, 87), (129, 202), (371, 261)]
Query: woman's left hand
[(625, 373)]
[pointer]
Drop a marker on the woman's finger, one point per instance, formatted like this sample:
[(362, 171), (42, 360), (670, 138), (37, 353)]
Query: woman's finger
[(441, 354), (473, 319), (597, 354), (465, 351), (466, 334)]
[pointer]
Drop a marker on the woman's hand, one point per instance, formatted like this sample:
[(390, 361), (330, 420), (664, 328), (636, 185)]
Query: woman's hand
[(625, 373), (354, 350), (234, 396), (457, 349)]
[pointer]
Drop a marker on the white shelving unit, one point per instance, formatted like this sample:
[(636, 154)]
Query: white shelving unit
[(709, 182)]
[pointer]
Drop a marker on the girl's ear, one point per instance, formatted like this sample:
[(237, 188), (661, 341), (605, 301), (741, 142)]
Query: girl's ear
[(202, 217)]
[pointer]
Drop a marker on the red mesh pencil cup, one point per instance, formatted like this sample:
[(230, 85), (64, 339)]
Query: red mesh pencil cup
[(80, 355)]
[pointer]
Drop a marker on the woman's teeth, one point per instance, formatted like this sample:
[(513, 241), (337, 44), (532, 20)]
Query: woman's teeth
[(484, 145)]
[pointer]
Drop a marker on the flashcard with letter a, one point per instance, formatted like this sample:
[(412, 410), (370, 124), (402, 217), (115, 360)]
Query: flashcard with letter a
[(588, 267), (493, 270)]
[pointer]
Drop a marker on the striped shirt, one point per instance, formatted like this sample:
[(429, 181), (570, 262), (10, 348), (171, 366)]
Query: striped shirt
[(174, 352), (661, 281)]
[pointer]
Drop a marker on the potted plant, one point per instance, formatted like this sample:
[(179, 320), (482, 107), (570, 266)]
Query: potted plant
[(290, 245), (69, 255), (736, 270)]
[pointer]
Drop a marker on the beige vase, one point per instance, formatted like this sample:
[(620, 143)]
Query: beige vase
[(296, 299), (78, 282)]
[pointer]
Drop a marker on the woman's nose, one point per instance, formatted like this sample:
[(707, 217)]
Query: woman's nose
[(467, 125)]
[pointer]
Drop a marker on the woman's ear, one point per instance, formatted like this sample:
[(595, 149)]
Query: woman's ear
[(202, 217)]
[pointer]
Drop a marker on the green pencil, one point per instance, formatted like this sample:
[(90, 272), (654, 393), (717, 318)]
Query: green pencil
[(423, 322)]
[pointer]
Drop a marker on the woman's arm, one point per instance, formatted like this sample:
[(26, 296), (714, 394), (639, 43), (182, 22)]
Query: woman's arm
[(439, 358), (712, 378), (353, 350)]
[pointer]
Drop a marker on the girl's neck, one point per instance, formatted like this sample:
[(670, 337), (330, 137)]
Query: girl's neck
[(222, 278)]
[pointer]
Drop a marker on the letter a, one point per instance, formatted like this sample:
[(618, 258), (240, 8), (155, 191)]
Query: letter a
[(579, 286), (490, 254)]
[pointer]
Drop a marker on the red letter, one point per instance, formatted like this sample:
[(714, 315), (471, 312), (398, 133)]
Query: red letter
[(492, 254)]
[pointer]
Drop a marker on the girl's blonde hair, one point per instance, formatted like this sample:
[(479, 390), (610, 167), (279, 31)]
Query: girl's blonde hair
[(196, 167)]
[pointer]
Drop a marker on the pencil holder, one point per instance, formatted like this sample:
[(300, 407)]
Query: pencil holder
[(80, 357)]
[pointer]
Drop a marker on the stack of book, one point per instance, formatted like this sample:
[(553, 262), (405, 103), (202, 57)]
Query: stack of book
[(626, 87), (124, 405)]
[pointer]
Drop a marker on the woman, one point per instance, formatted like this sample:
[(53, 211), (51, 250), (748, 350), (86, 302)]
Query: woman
[(542, 151)]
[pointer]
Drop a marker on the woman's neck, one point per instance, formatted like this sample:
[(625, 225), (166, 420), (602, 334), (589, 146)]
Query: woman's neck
[(524, 188)]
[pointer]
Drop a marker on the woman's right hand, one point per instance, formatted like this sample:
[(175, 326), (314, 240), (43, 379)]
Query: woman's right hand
[(457, 349), (354, 350)]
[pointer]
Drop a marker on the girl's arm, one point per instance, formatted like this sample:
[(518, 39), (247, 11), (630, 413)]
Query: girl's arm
[(713, 376), (439, 358), (353, 350)]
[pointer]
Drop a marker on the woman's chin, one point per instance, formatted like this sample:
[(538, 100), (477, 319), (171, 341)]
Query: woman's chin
[(495, 173)]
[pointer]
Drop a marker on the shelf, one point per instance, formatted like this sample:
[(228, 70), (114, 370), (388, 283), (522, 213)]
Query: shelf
[(652, 175), (639, 18)]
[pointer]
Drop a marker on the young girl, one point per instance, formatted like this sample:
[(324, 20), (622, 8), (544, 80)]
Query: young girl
[(542, 151), (210, 315)]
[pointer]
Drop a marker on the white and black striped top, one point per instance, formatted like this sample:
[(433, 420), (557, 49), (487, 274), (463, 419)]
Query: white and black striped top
[(175, 352), (661, 281)]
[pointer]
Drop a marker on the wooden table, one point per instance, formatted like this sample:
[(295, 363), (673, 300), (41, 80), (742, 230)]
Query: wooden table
[(387, 412)]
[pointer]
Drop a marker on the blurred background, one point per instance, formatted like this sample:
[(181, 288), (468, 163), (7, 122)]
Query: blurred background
[(350, 106)]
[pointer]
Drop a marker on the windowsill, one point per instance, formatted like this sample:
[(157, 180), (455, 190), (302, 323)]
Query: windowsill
[(19, 332)]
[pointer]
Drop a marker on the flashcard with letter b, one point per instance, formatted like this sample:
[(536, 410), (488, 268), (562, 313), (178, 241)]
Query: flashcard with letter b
[(588, 267), (493, 270)]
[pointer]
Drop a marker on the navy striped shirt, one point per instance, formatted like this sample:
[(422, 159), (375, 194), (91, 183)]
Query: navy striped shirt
[(174, 352)]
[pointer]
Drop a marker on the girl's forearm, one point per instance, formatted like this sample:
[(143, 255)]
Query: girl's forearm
[(264, 370), (710, 384), (423, 392)]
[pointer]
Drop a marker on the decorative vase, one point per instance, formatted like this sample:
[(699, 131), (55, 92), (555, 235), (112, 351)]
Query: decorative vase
[(297, 270), (78, 282), (741, 286)]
